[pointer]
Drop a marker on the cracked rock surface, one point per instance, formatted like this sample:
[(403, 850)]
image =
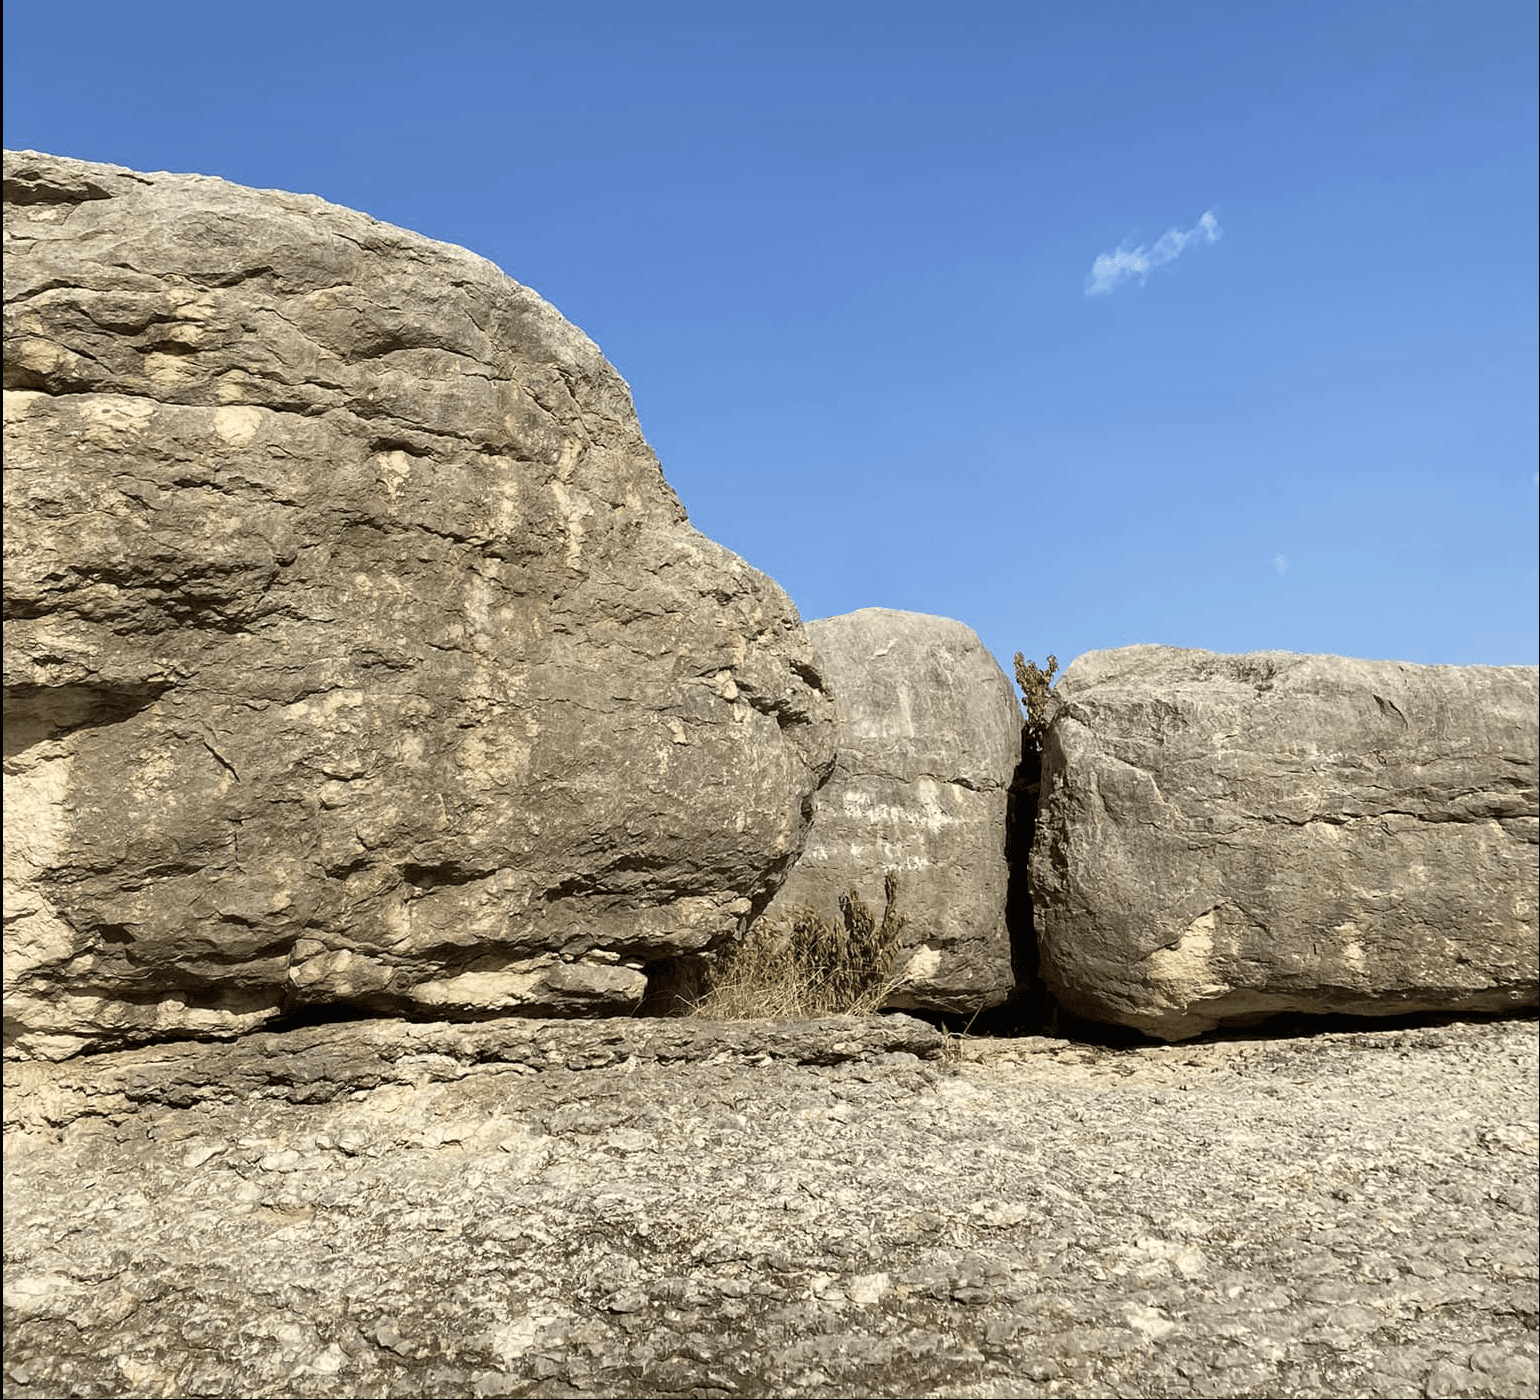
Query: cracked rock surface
[(634, 1208), (1224, 838), (356, 649)]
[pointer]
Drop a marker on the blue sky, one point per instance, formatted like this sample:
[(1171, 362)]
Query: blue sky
[(844, 253)]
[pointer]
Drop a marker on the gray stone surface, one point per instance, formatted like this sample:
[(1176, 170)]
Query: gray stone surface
[(356, 648), (590, 1210), (929, 737), (1223, 838)]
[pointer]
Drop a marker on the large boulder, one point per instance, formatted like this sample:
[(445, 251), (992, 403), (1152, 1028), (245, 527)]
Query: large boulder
[(929, 738), (356, 649), (1224, 838)]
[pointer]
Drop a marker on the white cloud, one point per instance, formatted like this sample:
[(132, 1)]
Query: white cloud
[(1281, 563), (1112, 268)]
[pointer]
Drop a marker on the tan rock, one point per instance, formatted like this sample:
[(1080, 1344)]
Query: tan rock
[(1224, 838), (929, 740), (356, 648)]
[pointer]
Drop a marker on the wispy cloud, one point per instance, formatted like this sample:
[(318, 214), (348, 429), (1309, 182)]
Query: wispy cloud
[(1111, 269), (1281, 563)]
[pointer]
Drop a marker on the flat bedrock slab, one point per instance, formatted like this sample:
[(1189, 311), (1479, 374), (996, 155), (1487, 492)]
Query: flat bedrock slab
[(1223, 838), (605, 1213), (356, 648), (929, 737)]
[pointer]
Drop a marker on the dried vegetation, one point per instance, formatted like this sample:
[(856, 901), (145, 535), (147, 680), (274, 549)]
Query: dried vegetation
[(804, 965)]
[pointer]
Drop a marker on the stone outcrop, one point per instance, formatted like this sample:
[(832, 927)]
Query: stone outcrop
[(356, 649), (929, 737), (1224, 838), (662, 1208)]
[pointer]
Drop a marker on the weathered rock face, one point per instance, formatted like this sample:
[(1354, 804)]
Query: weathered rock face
[(1222, 838), (356, 648), (929, 739)]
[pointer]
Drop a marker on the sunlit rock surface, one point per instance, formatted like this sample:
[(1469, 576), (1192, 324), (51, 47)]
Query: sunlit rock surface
[(929, 737), (356, 648), (1222, 838)]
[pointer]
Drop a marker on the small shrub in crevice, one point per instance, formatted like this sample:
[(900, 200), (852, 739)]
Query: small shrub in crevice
[(1037, 695), (803, 964)]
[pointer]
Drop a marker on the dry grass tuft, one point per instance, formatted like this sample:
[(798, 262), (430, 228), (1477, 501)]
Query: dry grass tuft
[(802, 965)]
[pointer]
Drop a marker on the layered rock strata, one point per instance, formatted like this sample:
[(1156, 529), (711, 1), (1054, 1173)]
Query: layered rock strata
[(356, 648), (1223, 838), (929, 738)]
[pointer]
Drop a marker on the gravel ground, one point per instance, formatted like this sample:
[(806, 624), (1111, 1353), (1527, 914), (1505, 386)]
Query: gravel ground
[(841, 1208)]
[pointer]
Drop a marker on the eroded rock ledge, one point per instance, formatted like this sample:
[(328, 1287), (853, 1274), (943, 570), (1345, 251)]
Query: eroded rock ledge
[(320, 1064)]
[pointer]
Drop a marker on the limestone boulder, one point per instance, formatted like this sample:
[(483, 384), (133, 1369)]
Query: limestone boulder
[(929, 738), (1224, 838), (356, 649)]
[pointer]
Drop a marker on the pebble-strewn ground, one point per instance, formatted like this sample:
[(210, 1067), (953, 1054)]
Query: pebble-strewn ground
[(714, 1211)]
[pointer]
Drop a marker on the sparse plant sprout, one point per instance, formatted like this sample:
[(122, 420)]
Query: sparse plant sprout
[(804, 965), (1037, 695)]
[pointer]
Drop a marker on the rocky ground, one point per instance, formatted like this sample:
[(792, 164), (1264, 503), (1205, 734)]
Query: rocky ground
[(663, 1208)]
